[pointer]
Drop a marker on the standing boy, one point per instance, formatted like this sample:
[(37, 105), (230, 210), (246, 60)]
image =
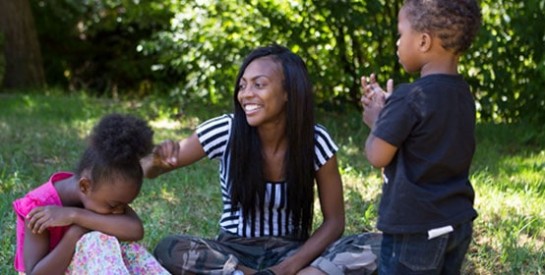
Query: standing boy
[(423, 136)]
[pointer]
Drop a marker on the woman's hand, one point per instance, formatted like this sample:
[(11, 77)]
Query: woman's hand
[(40, 218), (163, 158), (166, 153), (169, 155)]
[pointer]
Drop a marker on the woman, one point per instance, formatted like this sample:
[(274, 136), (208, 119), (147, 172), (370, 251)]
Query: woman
[(271, 154)]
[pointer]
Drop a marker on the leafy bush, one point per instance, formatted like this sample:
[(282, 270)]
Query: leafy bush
[(190, 50)]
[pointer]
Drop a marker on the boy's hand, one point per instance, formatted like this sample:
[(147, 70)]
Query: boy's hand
[(40, 218), (372, 88), (373, 98)]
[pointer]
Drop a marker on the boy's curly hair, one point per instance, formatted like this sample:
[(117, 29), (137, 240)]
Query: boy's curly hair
[(455, 22)]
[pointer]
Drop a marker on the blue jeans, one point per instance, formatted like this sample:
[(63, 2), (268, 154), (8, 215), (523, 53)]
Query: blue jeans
[(415, 254)]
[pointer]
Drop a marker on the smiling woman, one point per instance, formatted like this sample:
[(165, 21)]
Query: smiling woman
[(261, 93), (272, 154)]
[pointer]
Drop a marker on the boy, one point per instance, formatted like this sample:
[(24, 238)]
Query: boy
[(423, 136)]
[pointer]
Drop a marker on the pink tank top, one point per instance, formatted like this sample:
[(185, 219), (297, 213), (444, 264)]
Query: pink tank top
[(45, 194)]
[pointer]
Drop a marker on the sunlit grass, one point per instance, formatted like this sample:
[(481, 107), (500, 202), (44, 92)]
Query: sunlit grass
[(44, 133)]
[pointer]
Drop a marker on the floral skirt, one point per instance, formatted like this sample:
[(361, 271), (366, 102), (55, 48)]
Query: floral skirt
[(98, 253)]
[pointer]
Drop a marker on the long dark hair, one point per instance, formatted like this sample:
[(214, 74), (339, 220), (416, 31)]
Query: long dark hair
[(115, 147), (246, 170)]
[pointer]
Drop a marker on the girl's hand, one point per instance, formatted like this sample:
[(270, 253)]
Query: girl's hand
[(40, 218)]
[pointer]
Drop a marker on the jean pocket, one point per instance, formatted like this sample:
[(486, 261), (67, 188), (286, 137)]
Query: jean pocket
[(419, 254)]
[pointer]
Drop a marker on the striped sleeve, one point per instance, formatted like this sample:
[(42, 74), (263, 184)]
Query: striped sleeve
[(214, 134), (324, 146)]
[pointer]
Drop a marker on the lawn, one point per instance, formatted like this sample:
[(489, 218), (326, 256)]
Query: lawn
[(44, 133)]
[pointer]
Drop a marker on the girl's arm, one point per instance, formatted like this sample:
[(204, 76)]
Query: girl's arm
[(330, 192), (126, 226), (170, 155), (36, 248)]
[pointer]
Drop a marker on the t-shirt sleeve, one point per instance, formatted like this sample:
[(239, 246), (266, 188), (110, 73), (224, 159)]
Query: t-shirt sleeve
[(324, 146), (214, 135), (397, 119)]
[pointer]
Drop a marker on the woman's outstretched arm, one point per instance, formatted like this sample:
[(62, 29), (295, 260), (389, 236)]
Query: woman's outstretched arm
[(169, 155)]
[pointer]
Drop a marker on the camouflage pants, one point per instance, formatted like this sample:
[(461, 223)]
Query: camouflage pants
[(354, 254), (183, 254)]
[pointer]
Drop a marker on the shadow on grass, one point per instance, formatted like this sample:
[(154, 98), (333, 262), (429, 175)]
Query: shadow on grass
[(507, 245)]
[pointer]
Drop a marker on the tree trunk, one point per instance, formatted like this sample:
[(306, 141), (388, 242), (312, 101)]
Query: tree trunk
[(24, 66)]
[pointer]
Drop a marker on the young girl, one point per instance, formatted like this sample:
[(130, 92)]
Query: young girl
[(53, 219), (272, 155)]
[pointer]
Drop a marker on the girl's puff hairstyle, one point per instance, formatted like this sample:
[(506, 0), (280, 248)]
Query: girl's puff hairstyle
[(455, 22), (115, 147), (247, 182)]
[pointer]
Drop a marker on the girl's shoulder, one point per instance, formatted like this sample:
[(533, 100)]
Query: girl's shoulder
[(43, 195)]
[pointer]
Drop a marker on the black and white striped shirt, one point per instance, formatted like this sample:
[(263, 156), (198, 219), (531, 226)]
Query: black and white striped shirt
[(272, 220)]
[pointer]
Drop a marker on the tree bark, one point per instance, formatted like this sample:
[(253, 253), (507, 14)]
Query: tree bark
[(21, 49)]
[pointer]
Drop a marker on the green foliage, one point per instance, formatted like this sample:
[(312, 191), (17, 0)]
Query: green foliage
[(203, 48), (342, 40), (94, 45), (507, 62), (207, 41), (189, 51)]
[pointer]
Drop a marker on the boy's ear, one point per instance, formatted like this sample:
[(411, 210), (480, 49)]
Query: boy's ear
[(426, 41)]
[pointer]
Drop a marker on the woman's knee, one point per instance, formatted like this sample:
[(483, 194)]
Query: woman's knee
[(169, 248)]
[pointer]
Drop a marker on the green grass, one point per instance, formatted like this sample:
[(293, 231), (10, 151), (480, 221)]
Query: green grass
[(44, 133)]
